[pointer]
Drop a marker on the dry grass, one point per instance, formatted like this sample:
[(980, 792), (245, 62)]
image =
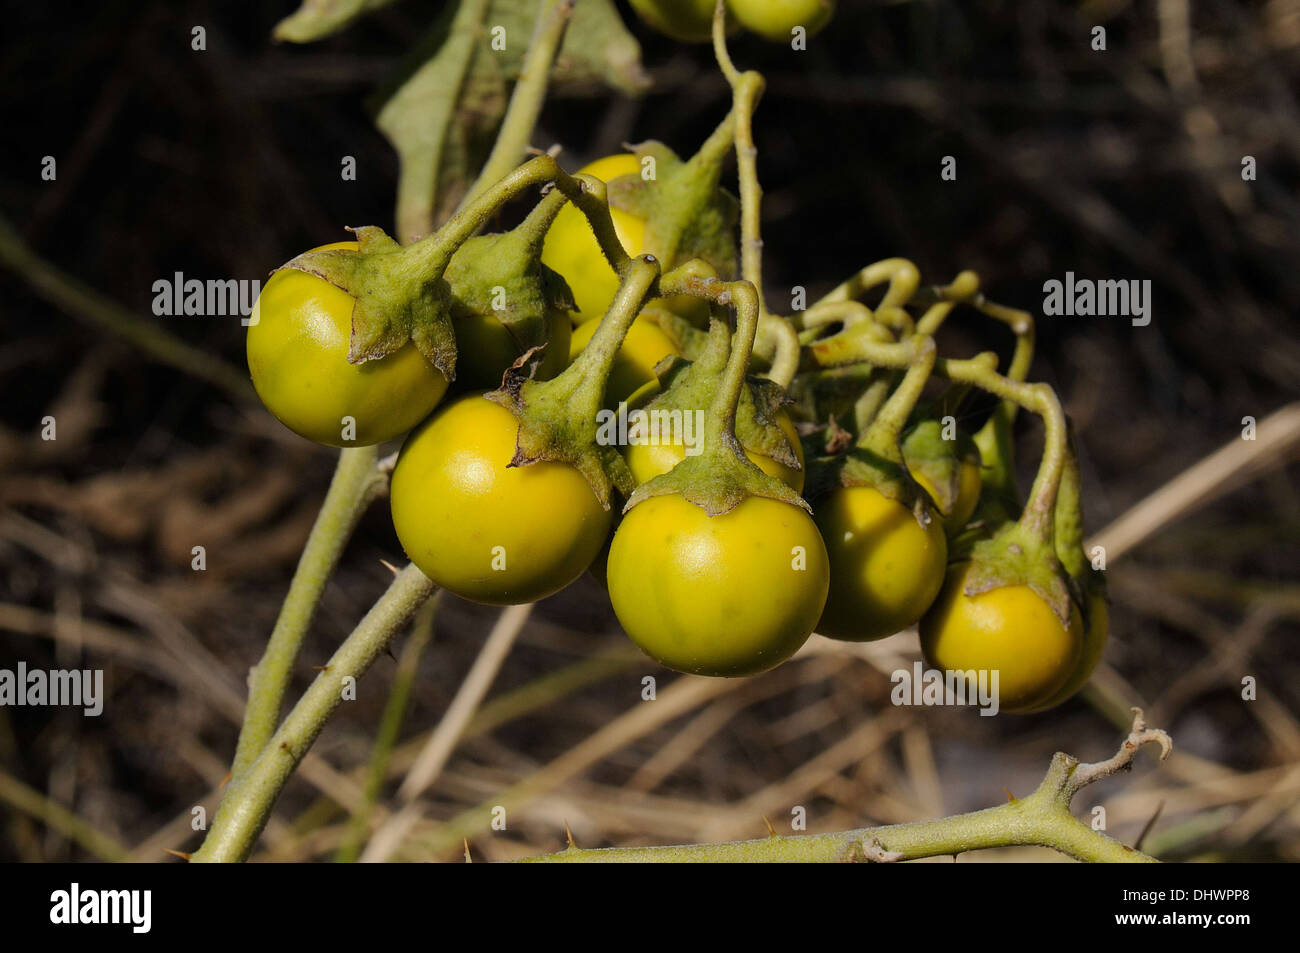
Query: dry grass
[(1122, 167)]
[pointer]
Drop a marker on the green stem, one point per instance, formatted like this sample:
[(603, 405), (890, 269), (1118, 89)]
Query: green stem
[(720, 432), (777, 338), (868, 404), (842, 312), (901, 274), (589, 194), (882, 436), (532, 230), (860, 343), (355, 484), (436, 250), (390, 727), (964, 287), (249, 801), (1042, 819), (586, 192), (528, 97), (597, 358), (692, 187), (1038, 514)]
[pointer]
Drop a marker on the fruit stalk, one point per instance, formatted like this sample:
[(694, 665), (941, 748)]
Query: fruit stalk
[(1040, 399)]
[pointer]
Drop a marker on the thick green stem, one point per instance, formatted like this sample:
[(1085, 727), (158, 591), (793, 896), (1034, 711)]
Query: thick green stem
[(438, 248), (1043, 819), (528, 97), (249, 800), (532, 230), (357, 481)]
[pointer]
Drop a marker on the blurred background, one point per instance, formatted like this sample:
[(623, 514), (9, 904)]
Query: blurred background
[(224, 163)]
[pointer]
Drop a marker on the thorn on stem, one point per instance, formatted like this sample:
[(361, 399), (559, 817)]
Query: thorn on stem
[(1146, 829), (177, 853), (568, 834), (771, 831), (390, 567)]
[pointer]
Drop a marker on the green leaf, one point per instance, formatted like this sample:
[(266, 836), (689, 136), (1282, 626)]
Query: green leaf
[(443, 108), (598, 48), (483, 100), (317, 19), (427, 99)]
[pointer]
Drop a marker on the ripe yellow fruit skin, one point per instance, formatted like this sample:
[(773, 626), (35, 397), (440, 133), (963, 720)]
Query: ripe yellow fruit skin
[(1010, 630), (776, 19), (297, 349), (726, 595), (484, 530), (1094, 646), (886, 568)]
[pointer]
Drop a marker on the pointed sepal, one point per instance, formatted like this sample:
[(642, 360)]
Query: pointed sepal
[(396, 300)]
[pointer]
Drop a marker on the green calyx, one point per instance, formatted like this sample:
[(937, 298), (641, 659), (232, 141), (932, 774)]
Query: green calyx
[(501, 276), (939, 460), (400, 293), (686, 214), (720, 477), (1015, 556), (718, 480), (553, 428), (864, 466), (560, 419), (690, 385)]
